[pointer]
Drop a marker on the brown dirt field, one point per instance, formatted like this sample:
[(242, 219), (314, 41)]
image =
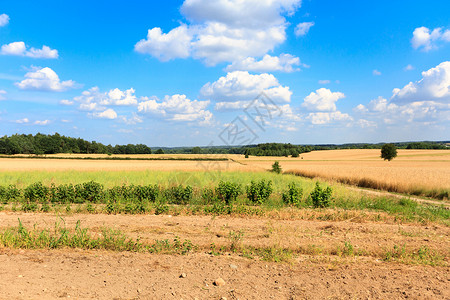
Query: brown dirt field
[(31, 274)]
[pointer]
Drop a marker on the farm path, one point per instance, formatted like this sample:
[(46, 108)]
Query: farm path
[(400, 196)]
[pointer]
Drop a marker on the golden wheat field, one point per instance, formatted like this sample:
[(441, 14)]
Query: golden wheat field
[(420, 172), (413, 171)]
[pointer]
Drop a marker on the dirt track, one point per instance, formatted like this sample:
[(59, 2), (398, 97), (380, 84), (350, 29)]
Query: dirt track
[(106, 275), (38, 274)]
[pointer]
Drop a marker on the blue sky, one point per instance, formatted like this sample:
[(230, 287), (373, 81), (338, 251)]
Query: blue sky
[(186, 73)]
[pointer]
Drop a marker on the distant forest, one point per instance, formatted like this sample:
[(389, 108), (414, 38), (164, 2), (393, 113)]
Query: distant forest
[(40, 144)]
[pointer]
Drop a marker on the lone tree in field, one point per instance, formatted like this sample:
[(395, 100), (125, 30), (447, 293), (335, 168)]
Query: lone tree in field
[(276, 167), (388, 152)]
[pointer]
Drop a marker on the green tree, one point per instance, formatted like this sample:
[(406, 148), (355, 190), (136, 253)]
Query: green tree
[(159, 151), (388, 152), (196, 150), (276, 167)]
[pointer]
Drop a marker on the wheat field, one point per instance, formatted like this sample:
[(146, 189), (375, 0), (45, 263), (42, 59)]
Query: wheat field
[(417, 172)]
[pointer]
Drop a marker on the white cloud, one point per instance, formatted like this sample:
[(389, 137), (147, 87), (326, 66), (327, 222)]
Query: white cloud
[(133, 120), (426, 40), (243, 87), (322, 100), (409, 68), (177, 108), (2, 95), (434, 86), (44, 79), (66, 102), (283, 63), (109, 114), (42, 123), (20, 49), (93, 99), (366, 123), (222, 31), (376, 72), (303, 28), (23, 121), (326, 81), (4, 20), (166, 46), (322, 118)]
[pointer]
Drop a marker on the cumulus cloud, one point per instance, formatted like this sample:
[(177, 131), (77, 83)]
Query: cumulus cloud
[(93, 99), (44, 79), (303, 28), (2, 95), (426, 101), (66, 102), (166, 46), (240, 88), (4, 20), (434, 86), (109, 114), (427, 40), (283, 63), (177, 108), (22, 121), (322, 118), (42, 123), (20, 49), (222, 31), (322, 100)]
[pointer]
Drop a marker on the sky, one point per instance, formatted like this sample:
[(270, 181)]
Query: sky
[(226, 72)]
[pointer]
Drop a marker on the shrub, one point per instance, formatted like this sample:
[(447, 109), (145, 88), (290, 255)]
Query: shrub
[(92, 191), (293, 195), (321, 197), (276, 168), (228, 191), (179, 194), (146, 193), (259, 192), (36, 192), (209, 196), (12, 193), (64, 193)]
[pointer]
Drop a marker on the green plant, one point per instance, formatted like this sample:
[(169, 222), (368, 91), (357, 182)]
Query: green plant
[(179, 194), (235, 239), (36, 192), (228, 191), (321, 197), (259, 192), (388, 152), (293, 196), (276, 167)]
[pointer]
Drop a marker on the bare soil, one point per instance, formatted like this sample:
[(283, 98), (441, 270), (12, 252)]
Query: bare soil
[(50, 274)]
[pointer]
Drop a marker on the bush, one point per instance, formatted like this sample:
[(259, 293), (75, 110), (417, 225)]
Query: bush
[(209, 196), (146, 193), (320, 197), (276, 168), (293, 196), (36, 192), (228, 191), (179, 194), (92, 191), (259, 192)]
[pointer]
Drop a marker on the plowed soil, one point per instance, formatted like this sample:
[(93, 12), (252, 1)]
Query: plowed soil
[(80, 274)]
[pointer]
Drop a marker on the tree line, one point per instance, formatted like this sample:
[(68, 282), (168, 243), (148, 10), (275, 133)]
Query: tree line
[(40, 144)]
